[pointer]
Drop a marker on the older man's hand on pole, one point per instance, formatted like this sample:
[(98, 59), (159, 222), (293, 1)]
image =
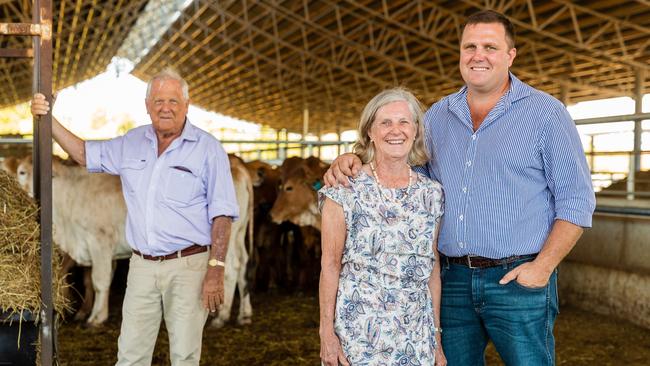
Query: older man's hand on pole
[(39, 106), (346, 165)]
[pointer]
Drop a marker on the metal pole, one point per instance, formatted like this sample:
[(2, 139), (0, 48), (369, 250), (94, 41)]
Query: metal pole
[(564, 94), (630, 178), (277, 145), (638, 109), (318, 135), (635, 157), (42, 156), (305, 130), (610, 119), (286, 145)]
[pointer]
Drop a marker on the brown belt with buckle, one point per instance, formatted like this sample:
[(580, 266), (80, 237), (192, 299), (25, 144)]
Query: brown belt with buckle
[(474, 261), (192, 249)]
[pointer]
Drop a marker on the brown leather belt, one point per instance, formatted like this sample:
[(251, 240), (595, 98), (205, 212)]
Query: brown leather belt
[(192, 249), (474, 261)]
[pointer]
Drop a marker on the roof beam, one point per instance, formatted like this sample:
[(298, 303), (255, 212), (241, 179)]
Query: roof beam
[(448, 46)]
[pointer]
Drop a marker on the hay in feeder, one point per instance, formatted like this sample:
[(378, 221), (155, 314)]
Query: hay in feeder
[(20, 255)]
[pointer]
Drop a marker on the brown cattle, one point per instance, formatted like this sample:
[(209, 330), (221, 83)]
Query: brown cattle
[(261, 171), (297, 198), (297, 203), (268, 268)]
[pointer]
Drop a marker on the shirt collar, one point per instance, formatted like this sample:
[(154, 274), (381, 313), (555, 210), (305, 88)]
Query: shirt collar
[(518, 90), (189, 132)]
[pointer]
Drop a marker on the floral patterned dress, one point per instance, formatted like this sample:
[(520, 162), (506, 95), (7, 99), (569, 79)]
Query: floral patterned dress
[(384, 313)]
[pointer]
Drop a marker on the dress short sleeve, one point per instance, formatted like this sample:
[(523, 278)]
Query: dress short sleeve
[(338, 194), (343, 196)]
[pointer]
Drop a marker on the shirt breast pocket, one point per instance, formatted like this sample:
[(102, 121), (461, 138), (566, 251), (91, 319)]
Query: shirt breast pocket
[(182, 185), (131, 173)]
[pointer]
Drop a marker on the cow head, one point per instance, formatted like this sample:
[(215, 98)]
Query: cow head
[(297, 200), (10, 165), (24, 171), (258, 171), (24, 174)]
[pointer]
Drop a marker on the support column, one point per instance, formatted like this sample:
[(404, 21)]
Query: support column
[(318, 137), (638, 109), (564, 94), (283, 152), (305, 131), (41, 32), (42, 158), (635, 158)]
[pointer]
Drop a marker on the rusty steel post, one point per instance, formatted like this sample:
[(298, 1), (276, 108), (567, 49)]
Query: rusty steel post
[(41, 31), (42, 156)]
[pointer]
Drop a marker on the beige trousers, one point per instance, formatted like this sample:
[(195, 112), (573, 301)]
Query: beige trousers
[(169, 289)]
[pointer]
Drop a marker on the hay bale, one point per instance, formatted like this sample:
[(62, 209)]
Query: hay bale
[(20, 261)]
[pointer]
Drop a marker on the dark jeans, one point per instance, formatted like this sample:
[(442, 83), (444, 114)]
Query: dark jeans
[(475, 308)]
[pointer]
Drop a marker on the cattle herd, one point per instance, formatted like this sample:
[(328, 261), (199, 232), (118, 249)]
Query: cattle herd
[(274, 246)]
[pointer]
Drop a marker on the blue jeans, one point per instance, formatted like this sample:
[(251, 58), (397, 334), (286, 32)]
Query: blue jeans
[(475, 308)]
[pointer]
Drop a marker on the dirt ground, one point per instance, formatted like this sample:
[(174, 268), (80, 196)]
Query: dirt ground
[(285, 332)]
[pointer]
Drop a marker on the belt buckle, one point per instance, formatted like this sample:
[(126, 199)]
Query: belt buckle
[(469, 262)]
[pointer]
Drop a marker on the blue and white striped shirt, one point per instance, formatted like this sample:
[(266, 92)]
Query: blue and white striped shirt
[(507, 182)]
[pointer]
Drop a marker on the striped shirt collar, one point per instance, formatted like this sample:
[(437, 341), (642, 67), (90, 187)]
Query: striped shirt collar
[(457, 102)]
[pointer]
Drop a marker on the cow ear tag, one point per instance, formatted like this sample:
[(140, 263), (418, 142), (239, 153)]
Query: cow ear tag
[(317, 185)]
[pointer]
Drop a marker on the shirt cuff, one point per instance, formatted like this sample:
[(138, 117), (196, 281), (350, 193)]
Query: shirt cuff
[(577, 218), (223, 209), (94, 156)]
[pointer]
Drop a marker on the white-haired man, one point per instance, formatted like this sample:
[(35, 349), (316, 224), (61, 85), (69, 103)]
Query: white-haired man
[(181, 201)]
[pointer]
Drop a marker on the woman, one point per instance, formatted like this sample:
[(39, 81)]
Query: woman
[(380, 278)]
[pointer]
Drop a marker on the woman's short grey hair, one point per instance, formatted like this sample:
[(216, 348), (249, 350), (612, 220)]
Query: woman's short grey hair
[(365, 149), (170, 74)]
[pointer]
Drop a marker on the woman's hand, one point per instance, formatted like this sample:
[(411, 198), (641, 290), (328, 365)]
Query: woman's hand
[(331, 352), (441, 360)]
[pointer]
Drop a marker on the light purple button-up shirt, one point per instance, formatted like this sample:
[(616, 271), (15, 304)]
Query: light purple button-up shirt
[(171, 198)]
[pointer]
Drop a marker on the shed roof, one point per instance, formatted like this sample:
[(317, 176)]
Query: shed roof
[(86, 36), (267, 61)]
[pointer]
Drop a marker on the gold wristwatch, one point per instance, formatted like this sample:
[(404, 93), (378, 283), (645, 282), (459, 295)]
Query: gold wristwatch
[(214, 262)]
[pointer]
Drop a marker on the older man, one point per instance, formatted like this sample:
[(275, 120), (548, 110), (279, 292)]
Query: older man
[(180, 198), (518, 194)]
